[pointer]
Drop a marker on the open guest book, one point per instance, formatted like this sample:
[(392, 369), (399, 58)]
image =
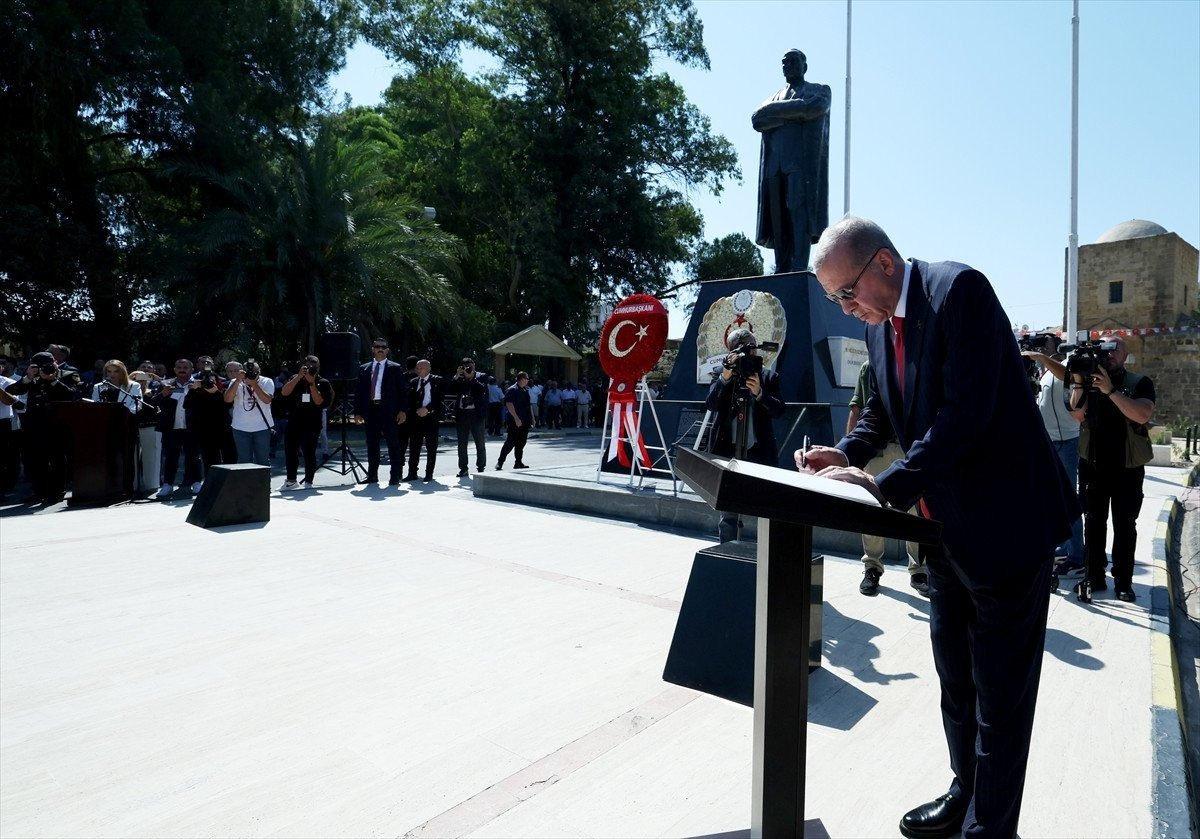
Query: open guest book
[(800, 480)]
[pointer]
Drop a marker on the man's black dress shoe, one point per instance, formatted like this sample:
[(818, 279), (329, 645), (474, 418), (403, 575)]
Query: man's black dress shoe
[(870, 582), (1126, 595), (411, 476), (462, 473), (395, 483), (520, 466), (921, 583), (427, 478), (942, 817), (370, 479)]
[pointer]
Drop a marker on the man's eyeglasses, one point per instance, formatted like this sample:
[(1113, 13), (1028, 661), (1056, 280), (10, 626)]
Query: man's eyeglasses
[(380, 347), (847, 293)]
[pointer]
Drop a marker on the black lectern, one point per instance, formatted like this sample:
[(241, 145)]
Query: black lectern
[(788, 505), (102, 436)]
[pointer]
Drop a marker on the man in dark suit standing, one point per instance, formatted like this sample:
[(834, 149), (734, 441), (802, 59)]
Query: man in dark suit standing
[(379, 400), (977, 459), (424, 413)]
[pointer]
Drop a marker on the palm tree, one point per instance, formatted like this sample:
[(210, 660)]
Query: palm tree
[(320, 241)]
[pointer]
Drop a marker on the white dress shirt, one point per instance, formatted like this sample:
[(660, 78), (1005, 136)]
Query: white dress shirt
[(426, 396), (377, 370)]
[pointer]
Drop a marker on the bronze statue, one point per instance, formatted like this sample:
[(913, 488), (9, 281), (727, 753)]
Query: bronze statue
[(793, 172)]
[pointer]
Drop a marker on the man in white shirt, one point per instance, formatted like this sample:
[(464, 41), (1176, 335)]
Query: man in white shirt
[(250, 394), (535, 394), (177, 438), (584, 400), (1064, 437), (424, 413)]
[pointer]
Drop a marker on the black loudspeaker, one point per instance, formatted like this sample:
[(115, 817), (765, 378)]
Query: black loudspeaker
[(236, 494), (339, 353), (713, 647)]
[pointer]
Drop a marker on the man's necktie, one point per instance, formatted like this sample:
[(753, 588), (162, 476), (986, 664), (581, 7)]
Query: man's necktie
[(898, 344), (898, 328), (375, 380)]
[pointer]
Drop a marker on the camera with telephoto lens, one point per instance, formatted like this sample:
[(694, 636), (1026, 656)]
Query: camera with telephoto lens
[(747, 362), (252, 369), (1085, 358), (207, 377)]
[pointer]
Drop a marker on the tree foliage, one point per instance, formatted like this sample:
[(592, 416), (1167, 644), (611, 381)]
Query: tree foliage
[(592, 149)]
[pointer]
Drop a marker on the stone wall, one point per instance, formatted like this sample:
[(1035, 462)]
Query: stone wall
[(1159, 276), (1173, 362)]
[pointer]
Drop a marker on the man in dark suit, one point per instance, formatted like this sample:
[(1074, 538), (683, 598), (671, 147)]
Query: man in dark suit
[(977, 459), (379, 400), (731, 398), (424, 413)]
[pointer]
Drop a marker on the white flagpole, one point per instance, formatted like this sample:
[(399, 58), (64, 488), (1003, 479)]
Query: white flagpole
[(1072, 323), (846, 166)]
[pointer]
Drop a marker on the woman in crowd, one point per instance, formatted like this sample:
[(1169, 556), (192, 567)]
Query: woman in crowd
[(116, 385)]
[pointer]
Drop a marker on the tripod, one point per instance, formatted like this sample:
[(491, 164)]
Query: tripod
[(350, 463)]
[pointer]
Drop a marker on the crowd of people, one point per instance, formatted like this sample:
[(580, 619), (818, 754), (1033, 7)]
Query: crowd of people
[(200, 414)]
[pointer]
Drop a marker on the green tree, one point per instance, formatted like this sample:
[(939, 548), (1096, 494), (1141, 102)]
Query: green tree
[(319, 241), (101, 98), (723, 258), (603, 147)]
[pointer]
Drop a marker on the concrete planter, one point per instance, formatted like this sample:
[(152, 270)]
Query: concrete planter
[(1162, 456)]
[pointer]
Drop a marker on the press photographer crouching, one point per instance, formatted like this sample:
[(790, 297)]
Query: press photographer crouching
[(45, 455), (1113, 406), (745, 401), (307, 395)]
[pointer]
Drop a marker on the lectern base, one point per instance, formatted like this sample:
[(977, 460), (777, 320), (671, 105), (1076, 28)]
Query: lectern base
[(712, 650)]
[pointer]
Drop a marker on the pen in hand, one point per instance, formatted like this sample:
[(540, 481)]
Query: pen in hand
[(804, 454)]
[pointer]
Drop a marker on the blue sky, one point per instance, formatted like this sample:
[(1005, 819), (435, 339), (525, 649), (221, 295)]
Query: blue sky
[(960, 124)]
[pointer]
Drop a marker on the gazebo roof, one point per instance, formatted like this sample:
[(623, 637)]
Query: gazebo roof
[(536, 340)]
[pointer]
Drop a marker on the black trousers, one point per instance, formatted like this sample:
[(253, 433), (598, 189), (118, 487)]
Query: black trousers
[(379, 423), (554, 416), (514, 442), (471, 426), (1121, 490), (495, 414), (210, 443), (987, 648), (45, 458), (422, 430), (175, 442), (10, 451), (297, 438)]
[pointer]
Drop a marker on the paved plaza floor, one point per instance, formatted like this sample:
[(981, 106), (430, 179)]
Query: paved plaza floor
[(418, 662)]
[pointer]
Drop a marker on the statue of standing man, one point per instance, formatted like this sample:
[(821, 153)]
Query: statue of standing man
[(793, 173)]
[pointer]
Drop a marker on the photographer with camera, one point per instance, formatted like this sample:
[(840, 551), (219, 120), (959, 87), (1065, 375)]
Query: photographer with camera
[(308, 396), (470, 413), (45, 455), (206, 414), (250, 393), (1114, 406), (1063, 430), (745, 401)]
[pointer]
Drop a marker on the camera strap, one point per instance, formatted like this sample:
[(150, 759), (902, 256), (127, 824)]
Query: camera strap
[(258, 405)]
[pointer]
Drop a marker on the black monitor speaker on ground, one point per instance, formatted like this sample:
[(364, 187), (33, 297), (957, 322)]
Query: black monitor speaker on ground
[(236, 494), (339, 353)]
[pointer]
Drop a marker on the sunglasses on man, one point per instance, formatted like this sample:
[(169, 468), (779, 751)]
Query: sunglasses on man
[(847, 293)]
